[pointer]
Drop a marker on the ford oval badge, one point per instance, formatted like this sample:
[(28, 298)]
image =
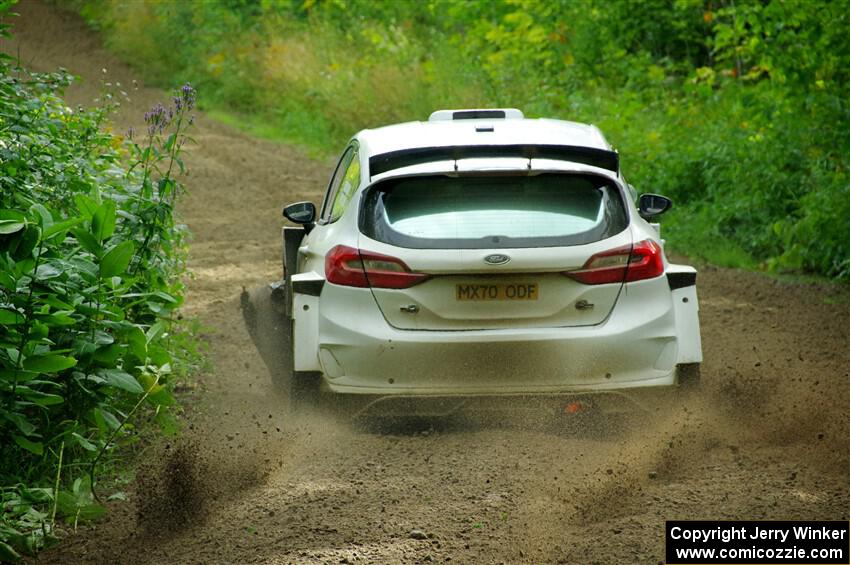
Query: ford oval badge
[(497, 259)]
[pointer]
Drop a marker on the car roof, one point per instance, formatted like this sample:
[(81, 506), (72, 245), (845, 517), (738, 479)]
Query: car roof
[(512, 129)]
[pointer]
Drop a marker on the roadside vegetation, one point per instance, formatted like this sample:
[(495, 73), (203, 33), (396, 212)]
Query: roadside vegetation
[(736, 110), (91, 259)]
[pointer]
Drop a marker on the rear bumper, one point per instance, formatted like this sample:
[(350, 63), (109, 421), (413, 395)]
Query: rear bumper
[(360, 353)]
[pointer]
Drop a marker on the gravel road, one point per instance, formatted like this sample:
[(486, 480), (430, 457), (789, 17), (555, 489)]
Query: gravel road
[(766, 438)]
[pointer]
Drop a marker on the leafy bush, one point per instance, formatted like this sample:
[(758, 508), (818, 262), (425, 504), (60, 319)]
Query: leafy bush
[(737, 110), (90, 266)]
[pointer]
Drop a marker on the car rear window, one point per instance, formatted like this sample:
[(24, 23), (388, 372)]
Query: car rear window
[(442, 212)]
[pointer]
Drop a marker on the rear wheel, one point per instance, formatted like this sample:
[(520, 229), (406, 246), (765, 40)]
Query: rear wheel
[(271, 331), (688, 376), (304, 391)]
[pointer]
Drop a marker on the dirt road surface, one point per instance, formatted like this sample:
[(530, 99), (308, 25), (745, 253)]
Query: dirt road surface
[(767, 437)]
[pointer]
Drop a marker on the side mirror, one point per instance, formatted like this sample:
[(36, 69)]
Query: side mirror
[(650, 205), (303, 213)]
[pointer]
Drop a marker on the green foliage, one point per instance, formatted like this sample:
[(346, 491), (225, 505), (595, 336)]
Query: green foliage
[(90, 265), (738, 110)]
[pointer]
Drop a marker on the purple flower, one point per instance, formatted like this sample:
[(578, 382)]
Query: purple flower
[(187, 92), (158, 119)]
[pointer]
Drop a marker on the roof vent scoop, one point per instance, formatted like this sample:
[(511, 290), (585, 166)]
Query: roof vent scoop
[(476, 114)]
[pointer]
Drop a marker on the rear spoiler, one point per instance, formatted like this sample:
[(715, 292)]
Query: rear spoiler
[(602, 158)]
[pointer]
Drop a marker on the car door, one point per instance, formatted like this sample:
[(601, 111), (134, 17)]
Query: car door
[(328, 230)]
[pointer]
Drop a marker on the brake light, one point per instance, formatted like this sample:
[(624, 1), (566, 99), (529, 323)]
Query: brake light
[(348, 266), (624, 264)]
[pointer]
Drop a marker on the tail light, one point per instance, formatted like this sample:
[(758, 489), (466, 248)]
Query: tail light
[(348, 266), (623, 264)]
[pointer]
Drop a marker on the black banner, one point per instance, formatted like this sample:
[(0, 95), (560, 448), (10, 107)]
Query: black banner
[(742, 542)]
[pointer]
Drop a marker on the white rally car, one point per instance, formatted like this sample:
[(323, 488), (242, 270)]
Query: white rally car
[(479, 254)]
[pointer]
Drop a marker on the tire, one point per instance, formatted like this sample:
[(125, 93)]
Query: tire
[(271, 331), (304, 392), (688, 376)]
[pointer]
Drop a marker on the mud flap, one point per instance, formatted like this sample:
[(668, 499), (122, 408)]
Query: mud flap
[(306, 377), (682, 280), (306, 288)]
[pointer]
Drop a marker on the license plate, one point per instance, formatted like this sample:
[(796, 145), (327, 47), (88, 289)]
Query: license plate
[(524, 291)]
